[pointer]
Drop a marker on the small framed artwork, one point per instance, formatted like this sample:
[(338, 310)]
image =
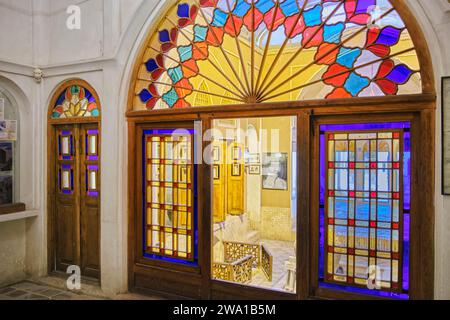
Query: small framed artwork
[(254, 170), (446, 135), (216, 172), (274, 171), (236, 170), (253, 158)]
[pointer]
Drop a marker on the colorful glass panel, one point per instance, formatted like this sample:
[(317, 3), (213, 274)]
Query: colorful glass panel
[(169, 196), (75, 101), (253, 51), (365, 185)]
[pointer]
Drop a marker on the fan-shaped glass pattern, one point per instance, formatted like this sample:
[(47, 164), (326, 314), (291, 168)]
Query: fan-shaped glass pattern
[(255, 51), (75, 101)]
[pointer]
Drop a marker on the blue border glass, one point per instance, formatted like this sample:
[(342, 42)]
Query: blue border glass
[(406, 126), (193, 263)]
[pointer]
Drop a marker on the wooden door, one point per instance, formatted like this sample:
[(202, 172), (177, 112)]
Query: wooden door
[(67, 202), (235, 179), (90, 200), (77, 198)]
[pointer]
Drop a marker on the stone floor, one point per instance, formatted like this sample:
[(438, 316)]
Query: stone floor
[(30, 290), (281, 251)]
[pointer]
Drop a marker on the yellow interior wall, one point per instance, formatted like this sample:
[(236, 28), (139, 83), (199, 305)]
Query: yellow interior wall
[(278, 198)]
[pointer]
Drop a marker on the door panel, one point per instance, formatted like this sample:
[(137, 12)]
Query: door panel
[(90, 200), (77, 188), (235, 179), (66, 198)]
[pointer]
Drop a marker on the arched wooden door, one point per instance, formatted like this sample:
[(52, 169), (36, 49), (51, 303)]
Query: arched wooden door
[(74, 179)]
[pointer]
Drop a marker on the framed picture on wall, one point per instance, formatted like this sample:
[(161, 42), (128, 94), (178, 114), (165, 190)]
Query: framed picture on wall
[(446, 135), (254, 170), (253, 158), (274, 171)]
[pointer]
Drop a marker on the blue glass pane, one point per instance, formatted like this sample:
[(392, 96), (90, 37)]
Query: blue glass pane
[(313, 17)]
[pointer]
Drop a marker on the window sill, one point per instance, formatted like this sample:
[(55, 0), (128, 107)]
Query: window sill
[(17, 215)]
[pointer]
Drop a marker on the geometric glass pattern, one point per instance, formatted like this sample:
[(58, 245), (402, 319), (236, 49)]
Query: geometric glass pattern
[(254, 51), (75, 101), (169, 228), (364, 221)]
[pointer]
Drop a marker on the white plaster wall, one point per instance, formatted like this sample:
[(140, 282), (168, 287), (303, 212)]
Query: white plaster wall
[(103, 53), (16, 36), (76, 45), (12, 252)]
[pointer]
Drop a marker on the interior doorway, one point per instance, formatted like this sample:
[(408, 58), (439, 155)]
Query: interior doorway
[(254, 223), (74, 181)]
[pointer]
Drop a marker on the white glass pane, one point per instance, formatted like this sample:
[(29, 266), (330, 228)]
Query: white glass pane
[(92, 180), (92, 144), (65, 145), (169, 173), (155, 217), (65, 179), (168, 245), (182, 243), (155, 195)]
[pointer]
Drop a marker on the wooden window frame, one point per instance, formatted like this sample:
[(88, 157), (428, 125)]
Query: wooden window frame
[(418, 109)]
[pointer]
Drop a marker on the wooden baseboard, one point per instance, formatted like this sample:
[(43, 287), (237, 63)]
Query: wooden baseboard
[(11, 208)]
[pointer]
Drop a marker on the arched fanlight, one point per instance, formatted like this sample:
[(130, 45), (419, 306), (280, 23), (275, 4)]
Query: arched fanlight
[(256, 51)]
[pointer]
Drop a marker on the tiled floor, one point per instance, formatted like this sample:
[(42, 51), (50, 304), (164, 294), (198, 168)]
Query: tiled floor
[(32, 291), (28, 290), (281, 251)]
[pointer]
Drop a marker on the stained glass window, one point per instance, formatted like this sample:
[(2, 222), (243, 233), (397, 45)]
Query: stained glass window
[(254, 51), (75, 101), (365, 207), (169, 196)]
